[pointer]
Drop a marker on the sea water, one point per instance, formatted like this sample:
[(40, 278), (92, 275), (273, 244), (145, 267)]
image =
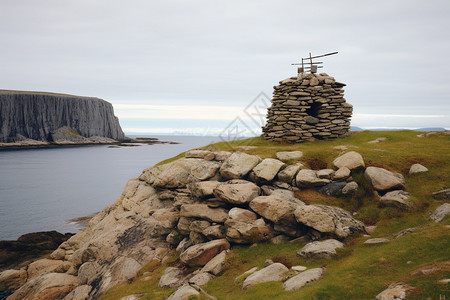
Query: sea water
[(41, 189)]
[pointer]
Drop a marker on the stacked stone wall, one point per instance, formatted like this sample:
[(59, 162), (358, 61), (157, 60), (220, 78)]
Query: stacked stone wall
[(308, 107)]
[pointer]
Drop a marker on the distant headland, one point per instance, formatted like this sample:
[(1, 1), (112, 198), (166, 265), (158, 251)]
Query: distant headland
[(40, 119)]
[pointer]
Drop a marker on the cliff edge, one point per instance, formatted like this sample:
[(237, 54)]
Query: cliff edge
[(37, 116)]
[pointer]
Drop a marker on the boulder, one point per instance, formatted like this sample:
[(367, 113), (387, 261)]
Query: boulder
[(384, 180), (201, 254), (215, 265), (274, 272), (201, 278), (277, 210), (350, 188), (289, 155), (398, 198), (81, 292), (205, 170), (238, 165), (328, 219), (341, 174), (198, 153), (165, 220), (172, 277), (48, 286), (44, 266), (325, 173), (417, 168), (333, 189), (397, 291), (12, 279), (184, 293), (203, 211), (320, 249), (251, 271), (175, 174), (88, 272), (248, 232), (214, 232), (237, 191), (442, 194), (288, 174), (303, 279), (203, 189), (298, 268), (376, 241), (222, 155), (308, 178), (440, 212), (352, 160), (268, 169), (242, 215)]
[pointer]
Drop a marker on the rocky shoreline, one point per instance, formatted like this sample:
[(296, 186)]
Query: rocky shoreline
[(93, 141)]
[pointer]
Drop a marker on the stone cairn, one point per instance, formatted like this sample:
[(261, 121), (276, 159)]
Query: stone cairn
[(308, 107)]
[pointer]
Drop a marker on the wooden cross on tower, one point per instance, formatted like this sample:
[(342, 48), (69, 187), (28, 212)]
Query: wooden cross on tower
[(308, 64)]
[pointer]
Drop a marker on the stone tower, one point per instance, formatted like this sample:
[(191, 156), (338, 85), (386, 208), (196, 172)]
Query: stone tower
[(308, 107)]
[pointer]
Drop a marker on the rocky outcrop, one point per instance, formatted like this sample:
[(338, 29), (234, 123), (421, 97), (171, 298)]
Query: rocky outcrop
[(199, 205), (308, 107), (40, 116)]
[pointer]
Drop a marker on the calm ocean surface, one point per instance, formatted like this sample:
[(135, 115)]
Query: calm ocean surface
[(41, 189)]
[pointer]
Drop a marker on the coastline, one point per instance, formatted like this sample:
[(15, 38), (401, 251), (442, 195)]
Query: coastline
[(129, 142)]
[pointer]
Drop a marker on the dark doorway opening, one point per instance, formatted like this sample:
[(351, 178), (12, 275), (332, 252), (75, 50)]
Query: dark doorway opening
[(313, 111)]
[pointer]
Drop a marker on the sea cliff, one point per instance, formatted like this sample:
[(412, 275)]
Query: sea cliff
[(38, 116)]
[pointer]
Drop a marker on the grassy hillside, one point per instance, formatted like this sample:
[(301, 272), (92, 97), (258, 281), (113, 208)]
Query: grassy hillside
[(358, 271)]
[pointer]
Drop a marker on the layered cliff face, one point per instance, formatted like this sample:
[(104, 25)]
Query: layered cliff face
[(36, 115)]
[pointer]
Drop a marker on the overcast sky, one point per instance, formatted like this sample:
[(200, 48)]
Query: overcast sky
[(172, 65)]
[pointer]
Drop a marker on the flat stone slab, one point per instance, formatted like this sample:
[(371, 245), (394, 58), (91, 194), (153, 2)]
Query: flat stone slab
[(376, 241), (274, 272), (397, 291), (320, 249), (442, 194), (288, 155), (440, 212), (303, 279), (201, 254), (398, 199)]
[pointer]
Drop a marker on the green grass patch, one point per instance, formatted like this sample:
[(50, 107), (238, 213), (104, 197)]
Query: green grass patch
[(358, 271)]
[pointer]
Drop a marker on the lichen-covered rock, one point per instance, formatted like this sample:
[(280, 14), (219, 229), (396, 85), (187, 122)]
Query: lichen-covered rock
[(320, 249), (237, 191), (302, 279), (333, 189), (79, 293), (397, 291), (440, 212), (238, 165), (274, 272), (350, 188), (442, 194), (201, 254), (398, 199), (329, 219), (384, 180), (205, 170)]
